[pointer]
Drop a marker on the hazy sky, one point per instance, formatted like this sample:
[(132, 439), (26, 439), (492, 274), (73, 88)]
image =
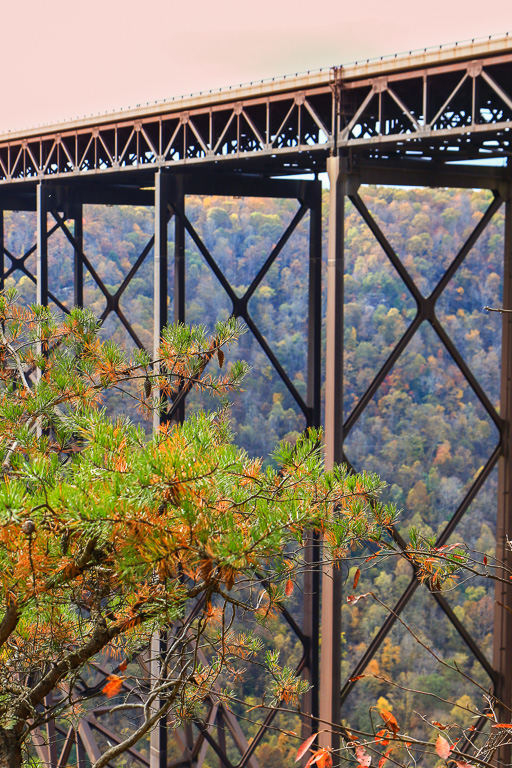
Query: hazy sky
[(67, 59)]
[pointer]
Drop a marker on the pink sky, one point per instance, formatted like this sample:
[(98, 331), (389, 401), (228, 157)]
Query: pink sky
[(68, 59)]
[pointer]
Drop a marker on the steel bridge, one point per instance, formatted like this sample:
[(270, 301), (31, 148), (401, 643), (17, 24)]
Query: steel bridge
[(403, 120)]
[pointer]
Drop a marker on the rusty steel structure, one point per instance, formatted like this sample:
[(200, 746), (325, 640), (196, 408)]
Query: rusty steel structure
[(406, 120)]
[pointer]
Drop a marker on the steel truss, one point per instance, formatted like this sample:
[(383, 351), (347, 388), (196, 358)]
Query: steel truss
[(56, 205), (453, 106)]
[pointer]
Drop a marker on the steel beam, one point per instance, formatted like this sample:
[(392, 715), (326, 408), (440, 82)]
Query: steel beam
[(2, 254), (158, 740), (330, 658), (42, 245), (179, 267), (161, 263), (311, 619), (78, 272), (502, 651), (404, 173)]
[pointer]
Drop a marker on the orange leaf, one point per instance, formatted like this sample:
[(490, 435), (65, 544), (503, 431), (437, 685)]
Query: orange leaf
[(113, 686), (443, 748), (123, 665), (381, 737), (390, 721), (439, 725), (289, 588), (305, 746), (356, 578), (321, 758), (502, 725)]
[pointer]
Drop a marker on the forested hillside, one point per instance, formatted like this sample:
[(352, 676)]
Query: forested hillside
[(424, 432)]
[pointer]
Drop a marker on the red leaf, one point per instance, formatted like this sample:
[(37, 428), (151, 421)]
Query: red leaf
[(385, 756), (443, 748), (485, 559), (289, 588), (305, 746), (352, 599), (362, 757), (356, 578), (390, 721), (113, 685)]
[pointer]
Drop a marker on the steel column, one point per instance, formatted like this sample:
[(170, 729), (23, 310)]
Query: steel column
[(161, 264), (2, 254), (179, 266), (311, 620), (330, 659), (42, 245), (158, 737), (78, 273), (502, 651)]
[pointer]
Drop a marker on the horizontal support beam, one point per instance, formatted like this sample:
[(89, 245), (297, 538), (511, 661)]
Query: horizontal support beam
[(65, 196), (428, 174)]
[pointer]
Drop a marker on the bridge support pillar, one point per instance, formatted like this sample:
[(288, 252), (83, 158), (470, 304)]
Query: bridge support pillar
[(311, 621), (330, 659), (2, 254), (78, 272), (179, 266), (42, 245), (502, 660)]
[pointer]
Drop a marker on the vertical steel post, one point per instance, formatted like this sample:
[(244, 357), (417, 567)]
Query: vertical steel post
[(330, 658), (41, 263), (179, 267), (158, 737), (2, 255), (42, 244), (311, 619), (315, 308), (78, 272), (502, 651), (161, 263)]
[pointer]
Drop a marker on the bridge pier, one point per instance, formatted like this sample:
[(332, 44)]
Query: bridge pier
[(502, 657)]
